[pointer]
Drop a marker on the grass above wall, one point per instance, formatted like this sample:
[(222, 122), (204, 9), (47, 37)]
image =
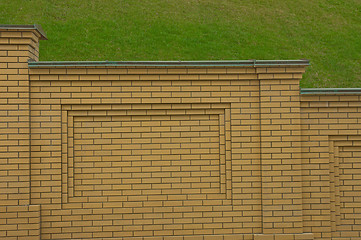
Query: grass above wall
[(327, 32)]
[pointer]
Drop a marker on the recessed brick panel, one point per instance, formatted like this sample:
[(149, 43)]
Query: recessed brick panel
[(147, 155)]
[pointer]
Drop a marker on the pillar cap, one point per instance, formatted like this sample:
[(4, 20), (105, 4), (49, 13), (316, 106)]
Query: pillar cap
[(36, 27)]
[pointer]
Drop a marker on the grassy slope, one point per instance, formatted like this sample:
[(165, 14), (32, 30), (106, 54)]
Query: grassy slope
[(328, 32)]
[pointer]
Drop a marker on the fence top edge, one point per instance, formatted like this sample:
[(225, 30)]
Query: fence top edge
[(225, 63)]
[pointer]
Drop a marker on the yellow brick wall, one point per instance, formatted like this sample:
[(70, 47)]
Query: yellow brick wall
[(20, 222), (164, 153), (331, 165), (18, 218), (141, 152)]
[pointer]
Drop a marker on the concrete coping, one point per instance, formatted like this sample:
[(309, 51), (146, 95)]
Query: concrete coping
[(36, 27), (231, 63), (330, 91)]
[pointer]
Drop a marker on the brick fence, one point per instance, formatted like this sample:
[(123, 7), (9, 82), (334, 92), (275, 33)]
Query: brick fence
[(173, 150)]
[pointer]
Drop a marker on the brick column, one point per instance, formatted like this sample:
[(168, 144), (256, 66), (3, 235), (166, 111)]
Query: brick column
[(18, 44), (281, 153)]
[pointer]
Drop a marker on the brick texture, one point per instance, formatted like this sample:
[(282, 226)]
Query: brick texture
[(331, 130), (164, 153), (18, 219)]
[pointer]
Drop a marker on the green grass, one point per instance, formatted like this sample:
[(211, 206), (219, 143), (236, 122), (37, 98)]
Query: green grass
[(327, 32)]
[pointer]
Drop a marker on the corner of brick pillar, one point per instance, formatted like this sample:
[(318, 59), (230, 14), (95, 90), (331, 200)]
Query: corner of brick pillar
[(280, 155), (18, 44)]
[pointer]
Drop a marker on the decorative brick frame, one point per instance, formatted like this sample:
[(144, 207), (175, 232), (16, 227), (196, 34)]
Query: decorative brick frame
[(70, 111)]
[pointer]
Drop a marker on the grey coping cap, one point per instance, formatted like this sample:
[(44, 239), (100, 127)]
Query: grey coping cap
[(232, 63), (330, 91), (20, 27)]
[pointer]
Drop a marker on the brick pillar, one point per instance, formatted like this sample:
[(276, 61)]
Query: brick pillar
[(281, 153), (18, 218)]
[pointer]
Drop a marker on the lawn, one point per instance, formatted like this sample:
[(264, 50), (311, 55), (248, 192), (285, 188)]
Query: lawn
[(327, 32)]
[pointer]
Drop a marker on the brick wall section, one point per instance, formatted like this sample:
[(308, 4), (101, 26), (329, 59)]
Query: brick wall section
[(20, 222), (16, 48), (162, 152), (280, 150), (331, 130)]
